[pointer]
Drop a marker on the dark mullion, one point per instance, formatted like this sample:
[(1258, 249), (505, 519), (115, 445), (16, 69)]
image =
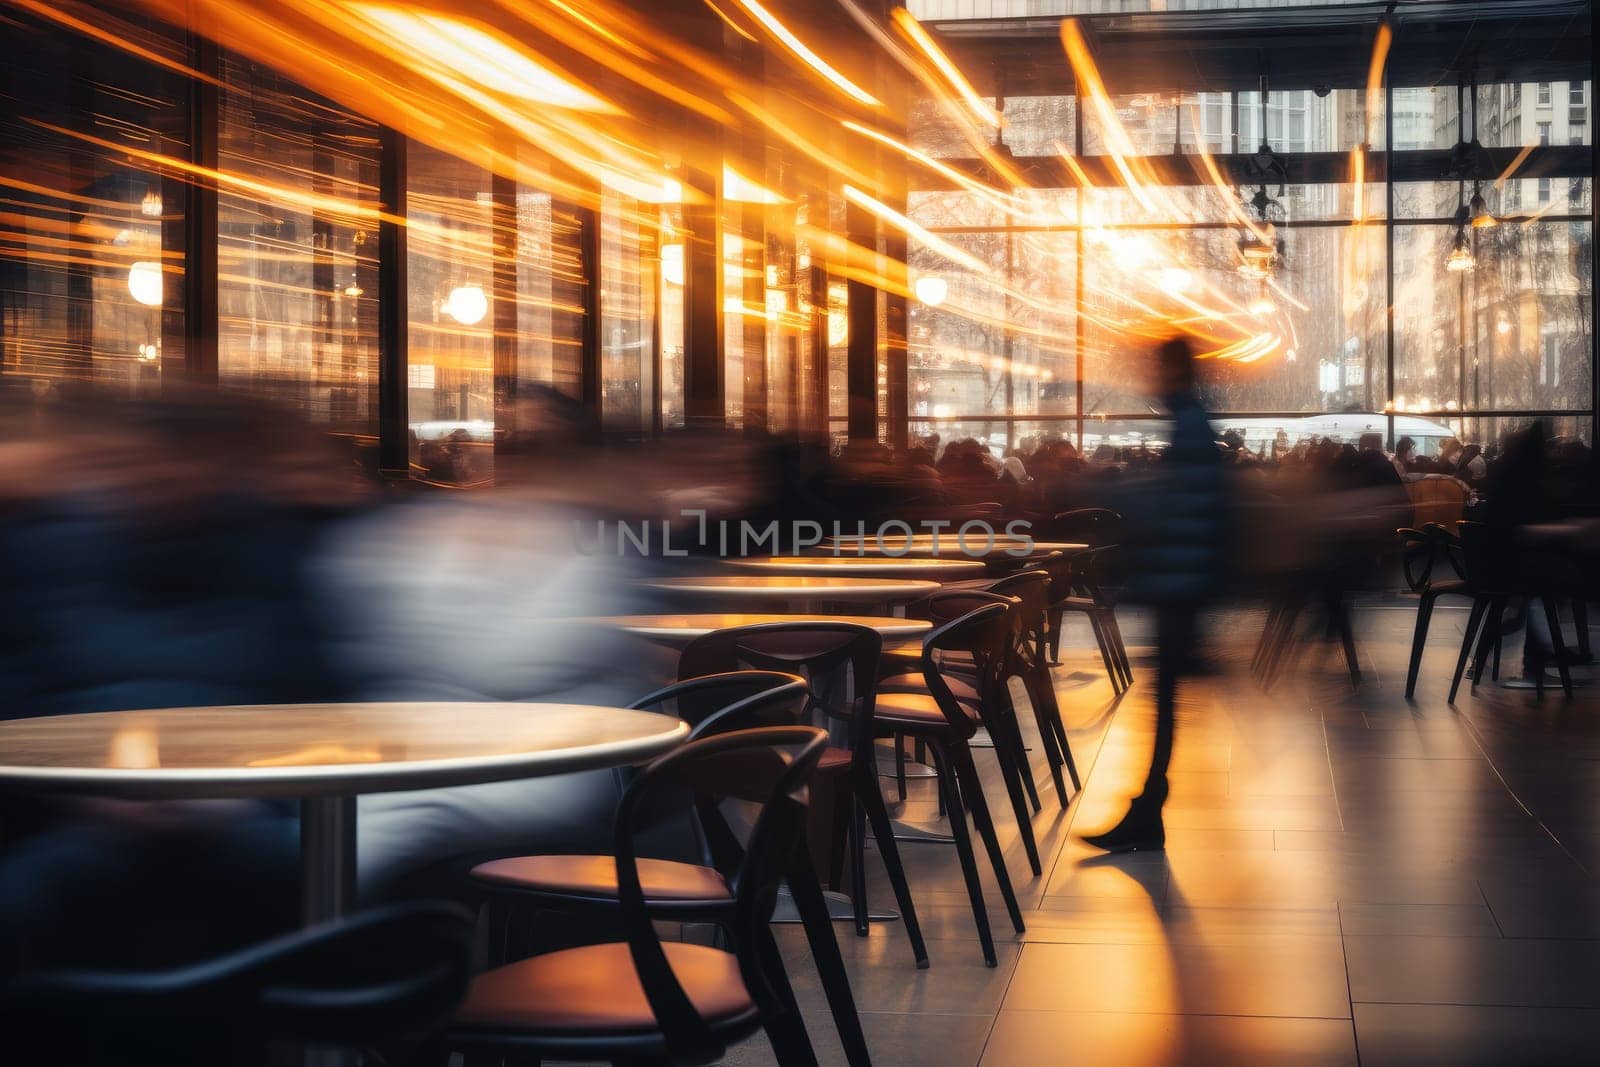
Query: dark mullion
[(861, 371), (590, 367), (80, 267), (394, 443), (817, 281), (702, 302), (503, 193), (200, 219)]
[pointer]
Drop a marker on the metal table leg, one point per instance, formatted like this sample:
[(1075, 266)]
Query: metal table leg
[(327, 881), (327, 858)]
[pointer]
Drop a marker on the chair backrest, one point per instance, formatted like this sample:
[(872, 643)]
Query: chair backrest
[(838, 660), (381, 978), (771, 767), (756, 694), (1093, 569), (1437, 498), (1090, 526), (1032, 588), (986, 630), (1418, 550)]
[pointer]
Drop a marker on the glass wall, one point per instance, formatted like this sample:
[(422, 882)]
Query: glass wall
[(450, 347), (297, 279), (1032, 306), (1056, 296), (91, 242)]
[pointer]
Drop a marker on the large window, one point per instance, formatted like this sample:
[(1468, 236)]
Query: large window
[(1082, 285), (297, 251), (92, 249)]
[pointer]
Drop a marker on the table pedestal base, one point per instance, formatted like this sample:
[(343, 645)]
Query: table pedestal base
[(840, 909), (905, 830)]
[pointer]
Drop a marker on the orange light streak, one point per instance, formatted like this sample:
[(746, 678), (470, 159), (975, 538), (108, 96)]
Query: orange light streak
[(802, 52), (908, 25)]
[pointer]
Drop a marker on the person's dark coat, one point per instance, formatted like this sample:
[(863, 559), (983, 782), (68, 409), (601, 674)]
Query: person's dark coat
[(1176, 519)]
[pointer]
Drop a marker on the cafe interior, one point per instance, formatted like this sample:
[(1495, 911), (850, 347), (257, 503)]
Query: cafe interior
[(995, 532)]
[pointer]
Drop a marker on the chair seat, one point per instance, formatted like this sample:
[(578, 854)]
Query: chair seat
[(963, 691), (899, 661), (595, 989), (912, 710), (1077, 603), (834, 759), (596, 876)]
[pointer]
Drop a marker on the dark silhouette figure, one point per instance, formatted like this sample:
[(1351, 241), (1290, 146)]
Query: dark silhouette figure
[(1174, 541)]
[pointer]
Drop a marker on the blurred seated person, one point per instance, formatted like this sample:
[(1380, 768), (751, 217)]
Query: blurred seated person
[(1405, 456), (209, 553)]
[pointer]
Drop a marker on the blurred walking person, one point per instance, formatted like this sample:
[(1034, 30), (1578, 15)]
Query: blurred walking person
[(1176, 521)]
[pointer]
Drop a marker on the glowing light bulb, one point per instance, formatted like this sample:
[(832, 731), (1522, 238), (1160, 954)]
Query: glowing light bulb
[(1175, 280), (144, 283), (467, 304), (931, 290), (838, 327), (672, 264)]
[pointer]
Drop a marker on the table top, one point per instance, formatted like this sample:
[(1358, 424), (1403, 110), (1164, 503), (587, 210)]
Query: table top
[(949, 545), (1582, 534), (321, 749), (813, 587), (866, 566), (688, 627)]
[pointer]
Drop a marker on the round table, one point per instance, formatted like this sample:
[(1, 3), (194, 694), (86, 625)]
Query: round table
[(681, 629), (324, 754), (949, 546), (798, 589), (1579, 535), (923, 569)]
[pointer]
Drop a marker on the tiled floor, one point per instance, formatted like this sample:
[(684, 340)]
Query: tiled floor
[(1350, 878)]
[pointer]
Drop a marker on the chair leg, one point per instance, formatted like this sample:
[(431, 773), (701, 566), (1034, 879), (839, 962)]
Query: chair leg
[(1119, 647), (950, 789), (843, 805), (1488, 638), (858, 864), (1045, 713), (1480, 607), (1347, 637), (1282, 641), (785, 1026), (1419, 638), (830, 964), (972, 792), (1558, 644), (1105, 652), (1499, 639), (900, 764), (1019, 749), (497, 917), (889, 852), (1007, 749), (1580, 619), (1056, 615), (1268, 627)]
